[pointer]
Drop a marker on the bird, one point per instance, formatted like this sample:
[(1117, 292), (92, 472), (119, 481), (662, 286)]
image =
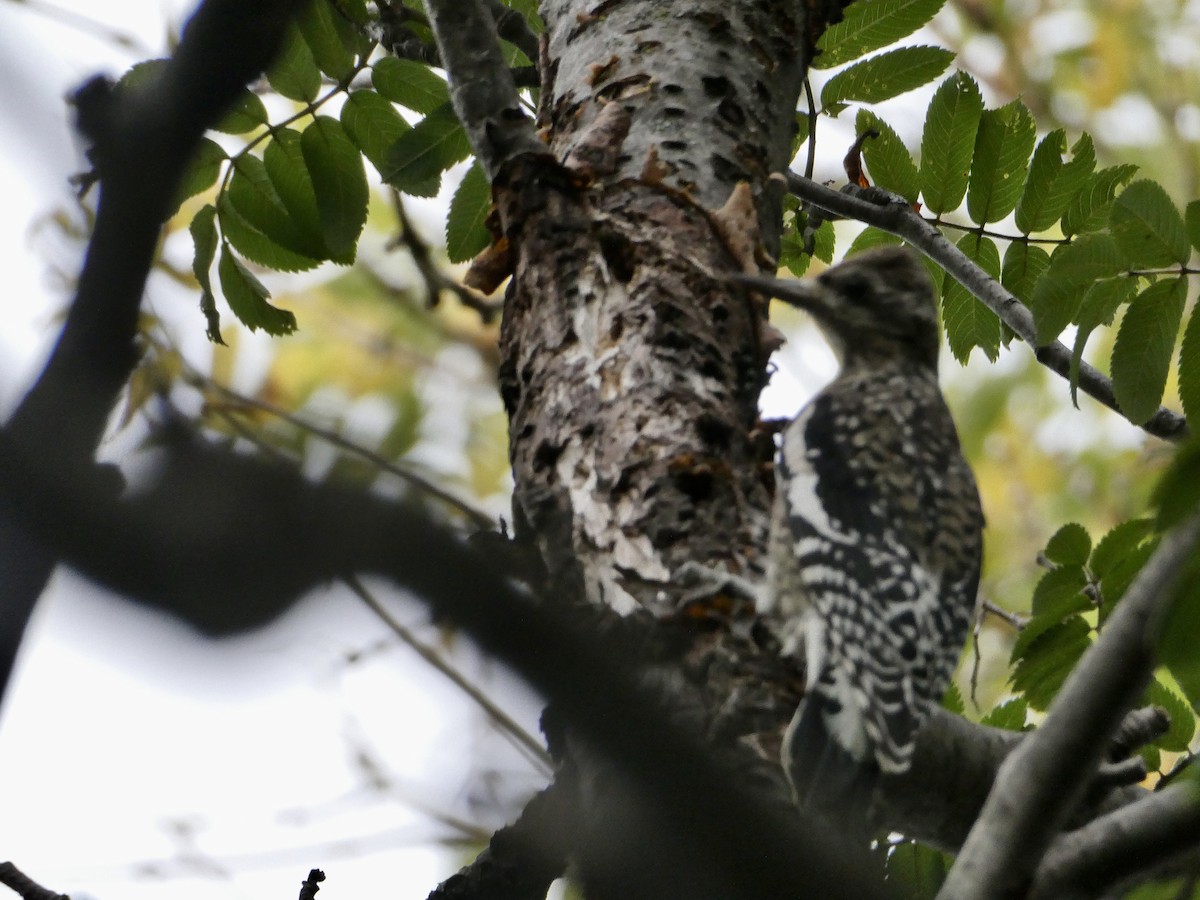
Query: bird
[(876, 534)]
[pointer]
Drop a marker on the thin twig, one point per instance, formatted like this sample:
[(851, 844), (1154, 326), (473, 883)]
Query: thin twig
[(480, 519), (12, 877), (527, 741), (895, 216), (435, 279)]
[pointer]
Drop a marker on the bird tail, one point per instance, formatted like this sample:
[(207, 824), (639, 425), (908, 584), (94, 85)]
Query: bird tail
[(827, 779)]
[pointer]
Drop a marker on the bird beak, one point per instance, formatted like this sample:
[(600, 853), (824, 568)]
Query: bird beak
[(807, 295)]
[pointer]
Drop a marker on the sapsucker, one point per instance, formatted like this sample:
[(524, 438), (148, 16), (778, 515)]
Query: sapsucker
[(876, 534)]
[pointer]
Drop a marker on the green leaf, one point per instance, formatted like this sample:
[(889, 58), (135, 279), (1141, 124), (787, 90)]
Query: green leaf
[(1098, 307), (246, 114), (466, 234), (1148, 228), (1073, 269), (968, 322), (1024, 265), (949, 141), (340, 184), (1049, 660), (871, 237), (1177, 494), (919, 870), (410, 84), (1189, 366), (1141, 356), (203, 229), (792, 254), (1060, 602), (1052, 185), (1192, 218), (202, 172), (888, 160), (886, 76), (1088, 210), (1178, 647), (373, 124), (1002, 147), (1058, 587), (1071, 545), (1118, 543), (254, 244), (294, 74), (869, 26), (1183, 722), (1117, 579), (952, 700), (260, 211), (316, 21), (287, 169), (422, 154), (247, 298), (1009, 715)]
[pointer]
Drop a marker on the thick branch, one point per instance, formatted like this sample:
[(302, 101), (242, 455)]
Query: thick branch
[(142, 142), (902, 220), (1040, 784), (1131, 843), (481, 86)]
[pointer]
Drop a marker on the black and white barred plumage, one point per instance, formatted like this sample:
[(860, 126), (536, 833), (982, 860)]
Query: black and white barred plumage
[(876, 538)]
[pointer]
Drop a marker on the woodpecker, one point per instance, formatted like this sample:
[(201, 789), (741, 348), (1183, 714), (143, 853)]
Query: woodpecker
[(876, 533)]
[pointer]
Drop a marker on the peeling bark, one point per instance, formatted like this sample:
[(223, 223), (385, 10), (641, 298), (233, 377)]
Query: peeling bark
[(631, 373)]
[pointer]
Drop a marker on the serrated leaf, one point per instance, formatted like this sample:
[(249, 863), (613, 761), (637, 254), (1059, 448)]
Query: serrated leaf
[(1098, 307), (203, 230), (1009, 715), (1063, 605), (373, 124), (1073, 269), (294, 74), (252, 195), (254, 244), (869, 26), (284, 163), (1002, 147), (202, 171), (949, 141), (1057, 587), (316, 22), (871, 237), (1189, 366), (1088, 210), (466, 234), (247, 298), (1024, 265), (968, 322), (1049, 660), (1183, 721), (246, 114), (1119, 542), (1141, 356), (918, 869), (952, 700), (1178, 644), (887, 75), (1192, 219), (1071, 545), (1148, 228), (1118, 578), (340, 184), (1053, 184), (410, 84), (889, 163), (421, 155)]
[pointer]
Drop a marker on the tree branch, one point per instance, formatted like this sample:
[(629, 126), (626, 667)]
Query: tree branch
[(142, 140), (902, 220), (1039, 785), (481, 86), (1133, 842)]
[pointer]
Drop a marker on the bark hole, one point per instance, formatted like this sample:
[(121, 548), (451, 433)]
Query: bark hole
[(713, 431), (618, 255), (716, 86), (546, 455)]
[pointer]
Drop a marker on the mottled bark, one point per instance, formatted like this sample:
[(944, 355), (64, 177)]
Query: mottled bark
[(631, 373)]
